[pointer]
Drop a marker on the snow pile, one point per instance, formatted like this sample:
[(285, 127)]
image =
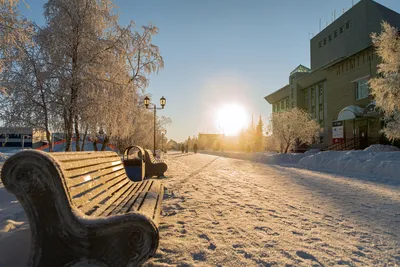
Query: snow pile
[(284, 159), (355, 161), (381, 148)]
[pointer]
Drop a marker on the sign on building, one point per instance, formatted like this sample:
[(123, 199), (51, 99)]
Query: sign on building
[(337, 132)]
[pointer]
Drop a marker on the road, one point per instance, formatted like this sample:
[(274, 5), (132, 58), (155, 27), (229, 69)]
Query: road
[(227, 212)]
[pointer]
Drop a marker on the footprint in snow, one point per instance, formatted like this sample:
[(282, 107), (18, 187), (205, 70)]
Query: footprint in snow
[(201, 256), (307, 256)]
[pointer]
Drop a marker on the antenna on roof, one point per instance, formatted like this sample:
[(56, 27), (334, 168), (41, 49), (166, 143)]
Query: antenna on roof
[(343, 10), (320, 20), (334, 14), (352, 2)]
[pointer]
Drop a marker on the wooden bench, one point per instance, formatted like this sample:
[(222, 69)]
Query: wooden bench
[(153, 166), (83, 210)]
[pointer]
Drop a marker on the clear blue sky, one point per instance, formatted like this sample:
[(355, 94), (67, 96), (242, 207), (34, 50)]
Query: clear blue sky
[(224, 51)]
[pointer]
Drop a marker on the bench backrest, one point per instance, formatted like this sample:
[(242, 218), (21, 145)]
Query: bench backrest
[(93, 179)]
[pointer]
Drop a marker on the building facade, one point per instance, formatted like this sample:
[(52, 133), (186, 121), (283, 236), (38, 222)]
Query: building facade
[(21, 137), (335, 91)]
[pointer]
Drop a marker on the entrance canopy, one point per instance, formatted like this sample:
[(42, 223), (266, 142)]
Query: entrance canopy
[(371, 110), (350, 113)]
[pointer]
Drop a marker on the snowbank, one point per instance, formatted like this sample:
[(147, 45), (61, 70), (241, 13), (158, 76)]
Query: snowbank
[(381, 148), (357, 161)]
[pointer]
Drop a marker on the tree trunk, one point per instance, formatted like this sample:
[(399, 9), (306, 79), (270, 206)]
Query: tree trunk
[(49, 139), (105, 142), (84, 138), (68, 133), (77, 136), (95, 145)]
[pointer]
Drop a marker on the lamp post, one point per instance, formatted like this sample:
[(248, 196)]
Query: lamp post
[(147, 103)]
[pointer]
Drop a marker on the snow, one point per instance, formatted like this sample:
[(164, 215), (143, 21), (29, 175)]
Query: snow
[(375, 160), (381, 148), (219, 211), (363, 162)]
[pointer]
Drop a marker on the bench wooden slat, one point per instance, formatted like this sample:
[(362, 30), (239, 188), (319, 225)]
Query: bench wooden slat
[(77, 156), (72, 165), (88, 170), (109, 202), (128, 206), (99, 200), (88, 195), (87, 182), (114, 207)]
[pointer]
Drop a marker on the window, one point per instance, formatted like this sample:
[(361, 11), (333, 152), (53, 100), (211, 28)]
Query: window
[(273, 108), (292, 92), (278, 106), (348, 25), (330, 37), (362, 89), (341, 30), (325, 41), (321, 92), (282, 105), (287, 103), (321, 111), (335, 34), (313, 96), (320, 44), (306, 97), (321, 138), (313, 115)]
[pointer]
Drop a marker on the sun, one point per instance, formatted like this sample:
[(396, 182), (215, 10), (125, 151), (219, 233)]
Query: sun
[(231, 119)]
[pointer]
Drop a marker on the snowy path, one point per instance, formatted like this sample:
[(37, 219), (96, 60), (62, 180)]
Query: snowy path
[(227, 212)]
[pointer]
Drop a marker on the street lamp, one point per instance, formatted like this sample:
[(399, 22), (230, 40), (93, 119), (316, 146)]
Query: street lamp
[(147, 103)]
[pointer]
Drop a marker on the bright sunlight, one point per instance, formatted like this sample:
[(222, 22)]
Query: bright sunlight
[(231, 119)]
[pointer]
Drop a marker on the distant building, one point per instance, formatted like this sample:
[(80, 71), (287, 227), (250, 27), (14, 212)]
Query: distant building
[(21, 136), (335, 91)]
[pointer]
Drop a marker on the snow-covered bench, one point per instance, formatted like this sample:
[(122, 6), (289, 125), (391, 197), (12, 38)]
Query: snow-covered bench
[(154, 166), (83, 209)]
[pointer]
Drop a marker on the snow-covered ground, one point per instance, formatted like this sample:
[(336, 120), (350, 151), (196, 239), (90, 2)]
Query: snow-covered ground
[(227, 212), (376, 160), (220, 211)]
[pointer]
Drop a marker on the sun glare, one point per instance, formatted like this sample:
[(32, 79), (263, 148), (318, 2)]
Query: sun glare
[(231, 119)]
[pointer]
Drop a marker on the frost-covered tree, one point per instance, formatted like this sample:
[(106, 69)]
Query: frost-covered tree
[(29, 86), (258, 136), (14, 30), (293, 126), (386, 87)]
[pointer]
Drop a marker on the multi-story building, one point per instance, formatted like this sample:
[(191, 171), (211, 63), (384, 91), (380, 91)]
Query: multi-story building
[(335, 91)]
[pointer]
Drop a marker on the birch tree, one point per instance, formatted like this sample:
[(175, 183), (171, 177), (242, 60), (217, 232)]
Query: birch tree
[(291, 126), (386, 87)]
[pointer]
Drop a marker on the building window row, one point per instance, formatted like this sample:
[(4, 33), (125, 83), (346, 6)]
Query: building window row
[(335, 34), (281, 105), (355, 62)]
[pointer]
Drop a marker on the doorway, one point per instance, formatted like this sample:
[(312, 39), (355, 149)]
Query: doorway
[(363, 136)]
